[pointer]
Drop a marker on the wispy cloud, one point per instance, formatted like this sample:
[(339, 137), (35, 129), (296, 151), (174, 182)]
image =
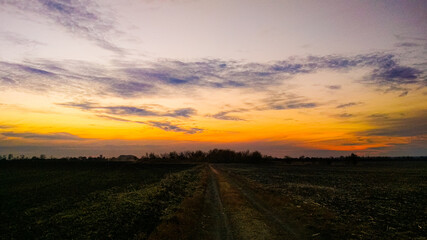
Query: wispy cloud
[(377, 116), (344, 115), (164, 125), (115, 118), (167, 126), (79, 17), (350, 104), (286, 101), (119, 112), (131, 110), (397, 127), (26, 68), (293, 105), (128, 88), (404, 93), (274, 101), (224, 115), (334, 87), (39, 136), (234, 74), (128, 80), (407, 44), (17, 38)]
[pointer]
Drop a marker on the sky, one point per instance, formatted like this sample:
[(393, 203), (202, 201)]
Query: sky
[(286, 78)]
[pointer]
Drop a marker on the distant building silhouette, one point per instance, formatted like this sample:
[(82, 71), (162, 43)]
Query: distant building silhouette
[(127, 158)]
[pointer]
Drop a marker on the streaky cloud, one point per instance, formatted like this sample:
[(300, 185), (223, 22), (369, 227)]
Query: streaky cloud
[(398, 127), (379, 116), (47, 136), (79, 17), (407, 44), (334, 87), (403, 94), (167, 126), (350, 104), (129, 88), (285, 102), (17, 38), (223, 115), (130, 110), (113, 118), (26, 68), (344, 115), (182, 112), (214, 73), (222, 74), (130, 80), (164, 125)]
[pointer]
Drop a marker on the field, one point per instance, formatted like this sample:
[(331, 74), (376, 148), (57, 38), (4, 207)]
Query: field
[(373, 201), (83, 200), (117, 200)]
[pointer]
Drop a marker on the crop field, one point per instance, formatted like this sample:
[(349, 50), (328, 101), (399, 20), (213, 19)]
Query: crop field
[(119, 200), (73, 200), (372, 201)]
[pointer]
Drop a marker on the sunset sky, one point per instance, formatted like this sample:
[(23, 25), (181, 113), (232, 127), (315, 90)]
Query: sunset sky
[(313, 78)]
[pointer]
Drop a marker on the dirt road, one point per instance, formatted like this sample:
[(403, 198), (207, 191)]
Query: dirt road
[(232, 210), (215, 224)]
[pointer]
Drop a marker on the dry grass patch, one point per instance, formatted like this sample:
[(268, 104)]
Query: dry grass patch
[(185, 222), (246, 222)]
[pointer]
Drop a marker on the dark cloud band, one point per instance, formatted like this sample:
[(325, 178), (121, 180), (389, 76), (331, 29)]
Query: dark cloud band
[(128, 80)]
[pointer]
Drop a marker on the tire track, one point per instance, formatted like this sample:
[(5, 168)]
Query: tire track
[(269, 216), (215, 224)]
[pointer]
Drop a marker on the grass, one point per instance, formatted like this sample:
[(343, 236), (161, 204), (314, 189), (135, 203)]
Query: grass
[(184, 223), (54, 200), (245, 221), (119, 200)]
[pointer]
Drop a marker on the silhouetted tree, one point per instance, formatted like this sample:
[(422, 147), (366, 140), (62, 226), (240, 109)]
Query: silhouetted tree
[(353, 159), (256, 157)]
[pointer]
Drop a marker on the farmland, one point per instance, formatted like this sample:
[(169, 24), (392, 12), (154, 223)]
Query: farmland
[(119, 200), (57, 200), (372, 201)]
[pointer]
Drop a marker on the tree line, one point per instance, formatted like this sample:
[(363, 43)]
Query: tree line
[(221, 156)]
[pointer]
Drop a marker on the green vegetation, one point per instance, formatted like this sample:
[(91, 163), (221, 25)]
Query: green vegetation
[(185, 223), (86, 200)]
